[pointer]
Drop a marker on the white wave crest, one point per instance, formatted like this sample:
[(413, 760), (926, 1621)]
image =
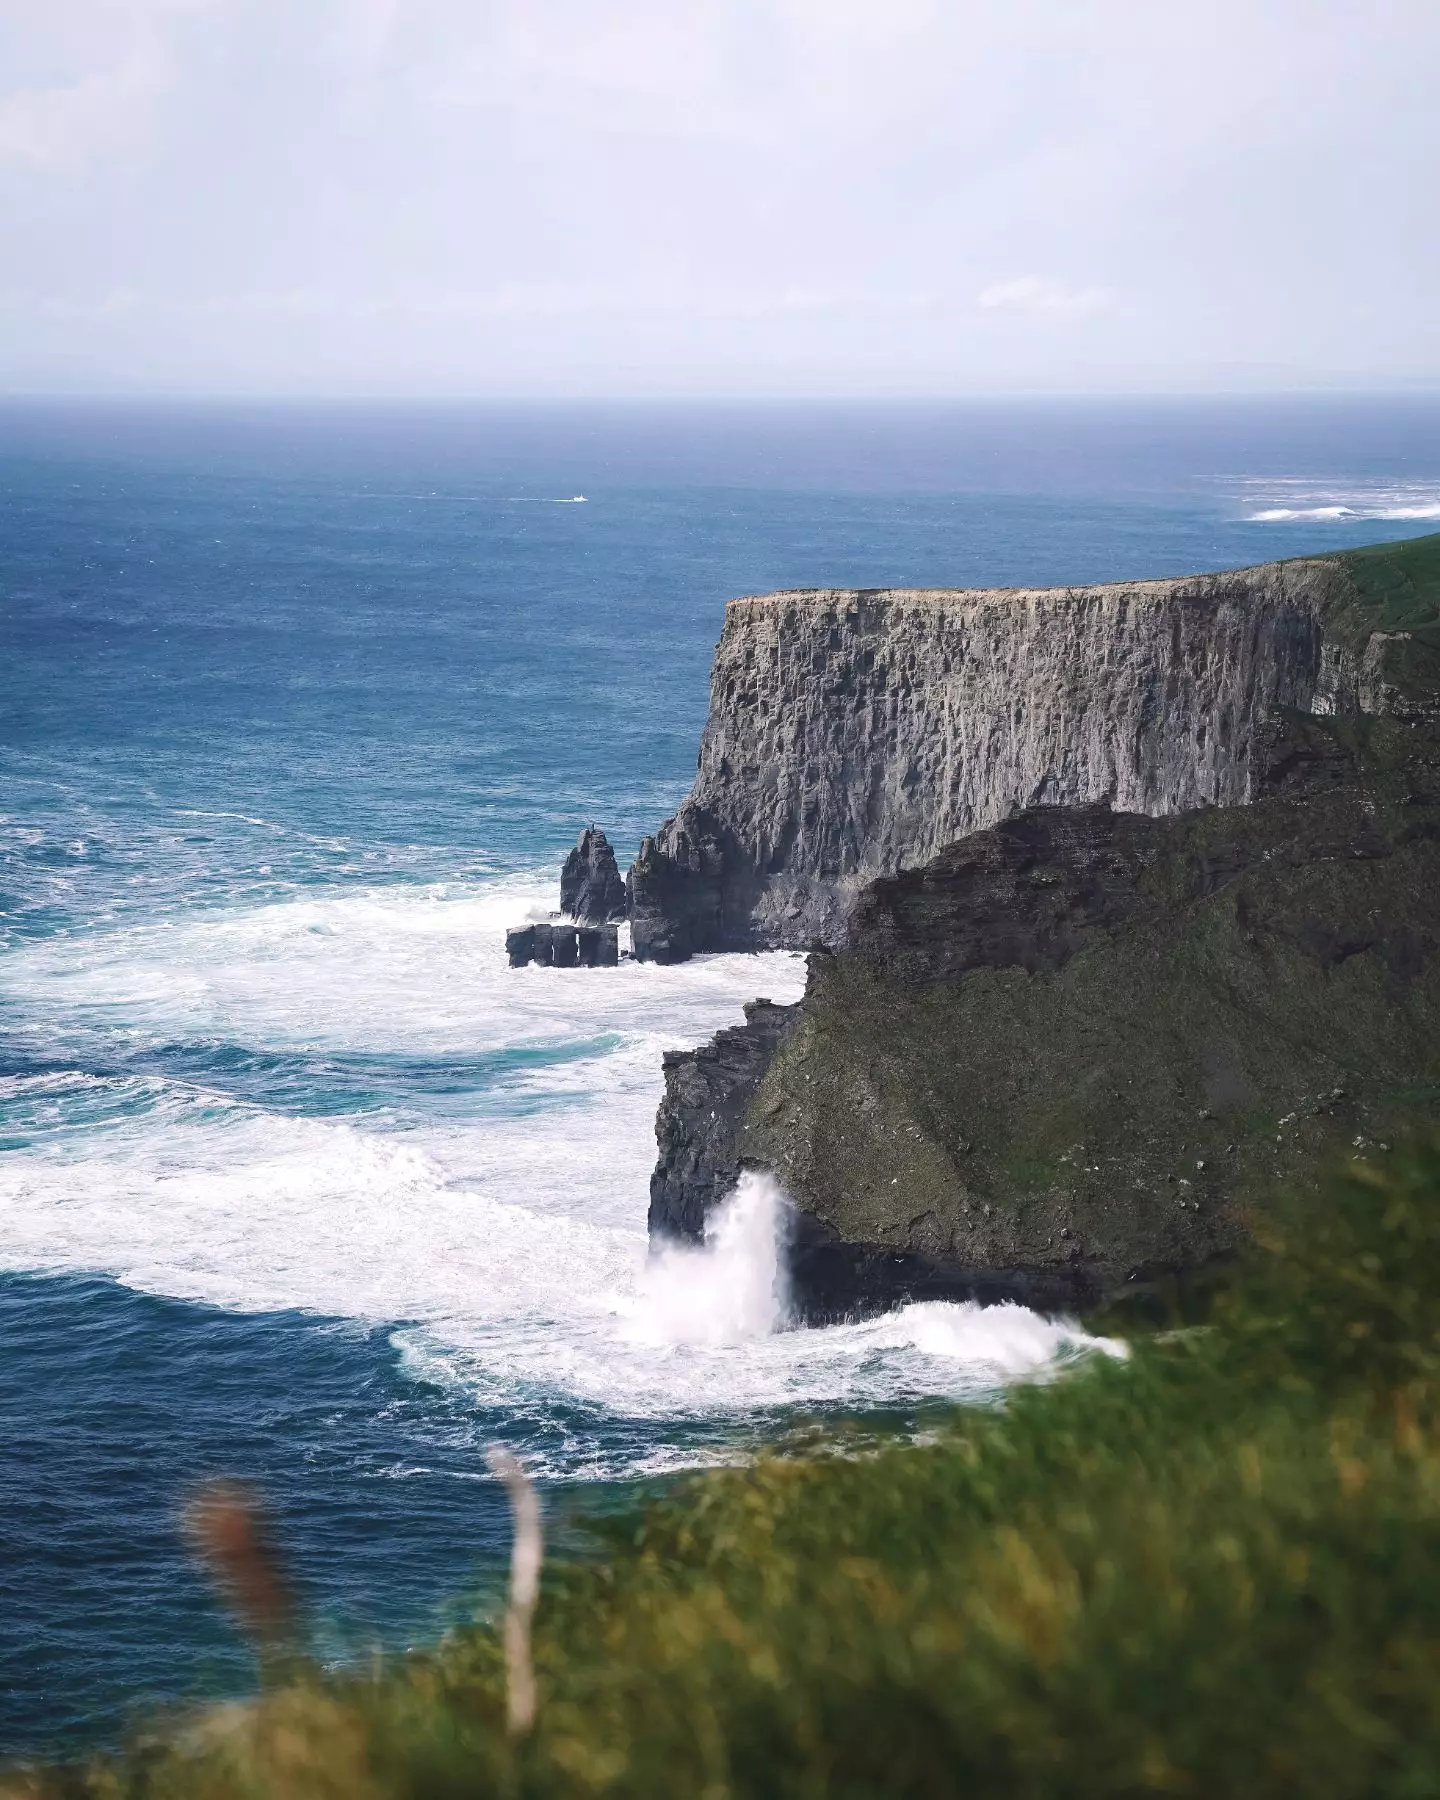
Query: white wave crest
[(1291, 501), (1275, 514)]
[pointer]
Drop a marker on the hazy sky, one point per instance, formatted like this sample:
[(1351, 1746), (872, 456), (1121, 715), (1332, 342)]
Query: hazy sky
[(717, 196)]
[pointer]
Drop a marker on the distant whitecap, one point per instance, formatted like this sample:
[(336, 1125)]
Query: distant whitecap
[(1291, 501)]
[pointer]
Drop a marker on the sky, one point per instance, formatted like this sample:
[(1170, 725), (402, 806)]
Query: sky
[(573, 198)]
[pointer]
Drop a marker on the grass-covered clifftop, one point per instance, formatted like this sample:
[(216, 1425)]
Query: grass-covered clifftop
[(1391, 587), (1384, 616), (1210, 1569)]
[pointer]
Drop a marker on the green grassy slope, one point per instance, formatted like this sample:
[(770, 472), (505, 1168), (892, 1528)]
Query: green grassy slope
[(1395, 587)]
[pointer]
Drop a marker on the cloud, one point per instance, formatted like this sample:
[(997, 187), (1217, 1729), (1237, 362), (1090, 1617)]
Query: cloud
[(1033, 294), (779, 195), (66, 125)]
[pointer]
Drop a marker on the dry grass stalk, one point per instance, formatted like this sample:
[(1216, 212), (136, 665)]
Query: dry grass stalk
[(226, 1526), (526, 1555)]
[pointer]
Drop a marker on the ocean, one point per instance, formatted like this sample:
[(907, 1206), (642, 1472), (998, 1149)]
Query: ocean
[(300, 708)]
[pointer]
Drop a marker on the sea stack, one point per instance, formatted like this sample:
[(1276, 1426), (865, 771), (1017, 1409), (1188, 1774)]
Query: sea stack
[(592, 889), (592, 900)]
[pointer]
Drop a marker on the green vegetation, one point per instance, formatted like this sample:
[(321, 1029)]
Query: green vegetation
[(1212, 1569), (1395, 589)]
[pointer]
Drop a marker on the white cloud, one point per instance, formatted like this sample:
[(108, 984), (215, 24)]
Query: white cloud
[(1033, 294), (66, 125)]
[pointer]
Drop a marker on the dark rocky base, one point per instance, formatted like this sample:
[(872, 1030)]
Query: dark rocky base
[(832, 1281), (690, 889), (564, 946), (701, 1125)]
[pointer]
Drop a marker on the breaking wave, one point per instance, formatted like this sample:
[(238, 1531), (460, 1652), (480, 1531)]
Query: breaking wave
[(346, 1104)]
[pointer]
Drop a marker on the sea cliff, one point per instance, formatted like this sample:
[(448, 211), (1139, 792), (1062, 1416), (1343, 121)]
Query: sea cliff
[(1058, 1056), (853, 734)]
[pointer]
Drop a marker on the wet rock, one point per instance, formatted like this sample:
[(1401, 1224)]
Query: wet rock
[(701, 1123), (564, 946), (592, 889), (598, 946), (682, 887)]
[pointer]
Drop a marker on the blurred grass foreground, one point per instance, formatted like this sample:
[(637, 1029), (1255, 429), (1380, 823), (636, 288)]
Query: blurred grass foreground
[(1211, 1569)]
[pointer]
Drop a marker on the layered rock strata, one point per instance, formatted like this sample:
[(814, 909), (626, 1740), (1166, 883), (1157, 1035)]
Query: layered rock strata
[(852, 734)]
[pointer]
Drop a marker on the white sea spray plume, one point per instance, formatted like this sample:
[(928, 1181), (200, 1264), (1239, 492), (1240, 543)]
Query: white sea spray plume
[(731, 1289)]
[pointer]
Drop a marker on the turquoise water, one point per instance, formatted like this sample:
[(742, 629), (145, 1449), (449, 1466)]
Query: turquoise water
[(298, 710)]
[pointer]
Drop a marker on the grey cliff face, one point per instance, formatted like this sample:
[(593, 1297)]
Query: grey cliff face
[(852, 734)]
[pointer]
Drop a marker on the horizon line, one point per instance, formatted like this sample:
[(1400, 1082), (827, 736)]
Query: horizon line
[(1426, 388)]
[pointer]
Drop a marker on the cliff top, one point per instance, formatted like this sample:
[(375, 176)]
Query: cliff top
[(1383, 587), (1152, 585)]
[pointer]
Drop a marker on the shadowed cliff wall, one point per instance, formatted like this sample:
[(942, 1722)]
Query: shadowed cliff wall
[(1051, 1062)]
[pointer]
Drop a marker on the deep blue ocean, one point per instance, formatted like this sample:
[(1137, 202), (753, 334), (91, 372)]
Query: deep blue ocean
[(299, 709)]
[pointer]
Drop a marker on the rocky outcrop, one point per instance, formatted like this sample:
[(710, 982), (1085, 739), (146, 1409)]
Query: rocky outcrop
[(1059, 1059), (563, 946), (853, 734), (592, 889), (701, 1124), (592, 898)]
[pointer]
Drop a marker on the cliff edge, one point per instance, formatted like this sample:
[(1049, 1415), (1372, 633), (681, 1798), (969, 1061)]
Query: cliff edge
[(854, 733)]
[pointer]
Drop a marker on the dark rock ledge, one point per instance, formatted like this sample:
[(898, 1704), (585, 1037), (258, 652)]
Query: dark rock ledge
[(592, 900), (563, 946)]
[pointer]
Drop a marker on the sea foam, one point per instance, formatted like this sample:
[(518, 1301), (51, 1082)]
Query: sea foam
[(465, 1162)]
